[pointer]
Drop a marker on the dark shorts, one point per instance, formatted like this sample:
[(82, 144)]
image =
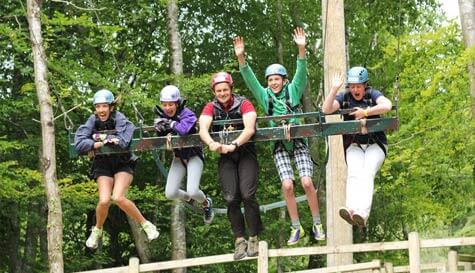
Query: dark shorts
[(110, 165)]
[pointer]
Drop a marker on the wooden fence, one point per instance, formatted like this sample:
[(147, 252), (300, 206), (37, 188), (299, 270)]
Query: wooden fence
[(413, 245)]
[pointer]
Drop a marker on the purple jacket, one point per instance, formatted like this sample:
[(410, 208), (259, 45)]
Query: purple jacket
[(184, 123), (122, 127)]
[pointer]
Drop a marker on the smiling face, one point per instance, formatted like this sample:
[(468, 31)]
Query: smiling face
[(222, 92), (103, 110), (169, 107), (275, 83), (357, 90)]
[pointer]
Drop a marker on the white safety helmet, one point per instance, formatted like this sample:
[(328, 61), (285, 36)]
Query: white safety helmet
[(170, 93)]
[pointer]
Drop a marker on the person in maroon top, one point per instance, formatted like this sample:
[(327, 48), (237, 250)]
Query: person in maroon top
[(238, 167)]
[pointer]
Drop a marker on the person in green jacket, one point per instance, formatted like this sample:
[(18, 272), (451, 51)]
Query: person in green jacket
[(281, 97)]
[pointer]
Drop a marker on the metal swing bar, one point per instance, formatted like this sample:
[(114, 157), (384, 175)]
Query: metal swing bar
[(145, 142)]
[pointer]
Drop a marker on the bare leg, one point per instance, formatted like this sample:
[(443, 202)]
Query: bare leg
[(104, 185), (122, 181), (311, 195), (288, 190)]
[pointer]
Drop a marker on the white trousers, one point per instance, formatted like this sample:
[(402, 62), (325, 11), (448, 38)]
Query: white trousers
[(363, 163)]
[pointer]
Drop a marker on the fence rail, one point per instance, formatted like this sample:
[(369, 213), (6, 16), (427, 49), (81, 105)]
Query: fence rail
[(413, 245)]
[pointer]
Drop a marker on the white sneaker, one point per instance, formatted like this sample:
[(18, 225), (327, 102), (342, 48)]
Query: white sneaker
[(150, 230), (94, 238)]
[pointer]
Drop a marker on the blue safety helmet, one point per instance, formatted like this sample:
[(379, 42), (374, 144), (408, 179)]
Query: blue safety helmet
[(276, 69), (103, 96), (357, 74)]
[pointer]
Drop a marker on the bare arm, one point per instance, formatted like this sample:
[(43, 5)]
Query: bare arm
[(205, 123), (330, 104), (249, 120)]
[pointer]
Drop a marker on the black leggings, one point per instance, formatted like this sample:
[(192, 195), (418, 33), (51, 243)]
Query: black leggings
[(238, 172)]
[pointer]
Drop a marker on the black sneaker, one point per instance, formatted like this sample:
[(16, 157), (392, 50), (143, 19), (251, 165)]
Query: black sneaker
[(208, 212)]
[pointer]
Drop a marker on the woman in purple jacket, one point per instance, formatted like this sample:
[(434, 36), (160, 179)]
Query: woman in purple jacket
[(114, 172), (174, 118)]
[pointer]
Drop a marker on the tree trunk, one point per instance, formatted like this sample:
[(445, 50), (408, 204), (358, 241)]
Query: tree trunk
[(48, 159), (338, 231), (31, 238), (141, 242), (178, 230), (467, 17), (13, 243)]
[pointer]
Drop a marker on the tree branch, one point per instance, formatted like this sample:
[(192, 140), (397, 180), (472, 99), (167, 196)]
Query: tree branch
[(81, 8)]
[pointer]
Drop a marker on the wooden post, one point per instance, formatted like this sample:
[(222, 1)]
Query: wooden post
[(452, 261), (414, 253), (134, 265), (263, 258), (376, 270), (388, 267), (338, 231)]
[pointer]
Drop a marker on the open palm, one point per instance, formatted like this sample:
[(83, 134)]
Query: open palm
[(299, 36)]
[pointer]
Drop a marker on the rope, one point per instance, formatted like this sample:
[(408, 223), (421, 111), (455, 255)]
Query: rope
[(287, 131), (363, 127), (169, 142)]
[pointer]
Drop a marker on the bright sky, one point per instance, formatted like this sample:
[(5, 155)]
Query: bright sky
[(451, 8)]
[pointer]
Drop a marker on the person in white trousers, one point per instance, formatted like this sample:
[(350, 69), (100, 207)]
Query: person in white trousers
[(365, 153)]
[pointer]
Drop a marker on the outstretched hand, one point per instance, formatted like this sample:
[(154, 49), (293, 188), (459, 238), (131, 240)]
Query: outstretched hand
[(337, 81), (299, 36), (238, 46)]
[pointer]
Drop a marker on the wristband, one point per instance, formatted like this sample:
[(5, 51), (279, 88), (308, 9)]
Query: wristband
[(235, 143)]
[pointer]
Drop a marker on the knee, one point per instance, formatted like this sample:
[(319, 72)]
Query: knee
[(288, 186), (171, 194), (103, 202), (119, 200), (307, 184)]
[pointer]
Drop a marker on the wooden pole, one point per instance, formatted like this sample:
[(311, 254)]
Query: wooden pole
[(134, 265), (263, 258), (338, 231), (452, 261), (388, 267), (414, 253)]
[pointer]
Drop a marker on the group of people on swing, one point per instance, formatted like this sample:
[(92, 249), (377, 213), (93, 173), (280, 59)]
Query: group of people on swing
[(238, 165)]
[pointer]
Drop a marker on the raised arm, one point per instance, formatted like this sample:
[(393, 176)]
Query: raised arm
[(239, 49), (330, 104), (299, 39)]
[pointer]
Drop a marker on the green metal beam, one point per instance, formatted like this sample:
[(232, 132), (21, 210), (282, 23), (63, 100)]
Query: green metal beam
[(147, 143)]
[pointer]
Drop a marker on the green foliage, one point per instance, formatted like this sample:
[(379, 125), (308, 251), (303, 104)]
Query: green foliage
[(426, 183)]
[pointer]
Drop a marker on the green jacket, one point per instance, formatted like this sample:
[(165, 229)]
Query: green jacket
[(295, 90)]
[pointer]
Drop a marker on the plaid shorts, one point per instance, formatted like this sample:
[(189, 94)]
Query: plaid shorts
[(303, 161)]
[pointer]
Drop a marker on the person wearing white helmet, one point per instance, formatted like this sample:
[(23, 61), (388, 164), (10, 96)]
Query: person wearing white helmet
[(177, 119), (281, 97), (365, 153), (113, 173)]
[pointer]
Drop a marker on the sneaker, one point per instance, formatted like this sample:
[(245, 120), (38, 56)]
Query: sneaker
[(240, 249), (318, 232), (208, 212), (347, 215), (253, 246), (151, 230), (95, 237), (295, 235), (359, 221)]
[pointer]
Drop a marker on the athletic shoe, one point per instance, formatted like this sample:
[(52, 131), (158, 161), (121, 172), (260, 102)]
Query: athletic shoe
[(240, 249), (295, 235), (318, 232), (208, 212), (151, 230), (347, 215), (95, 237), (253, 246)]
